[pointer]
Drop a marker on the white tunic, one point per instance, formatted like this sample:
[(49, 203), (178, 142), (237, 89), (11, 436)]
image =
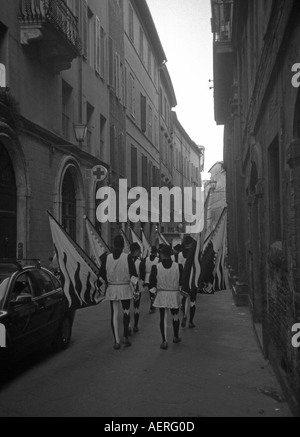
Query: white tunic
[(118, 277), (168, 294)]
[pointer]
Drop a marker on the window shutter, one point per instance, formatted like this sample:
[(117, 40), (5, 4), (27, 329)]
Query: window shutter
[(84, 28), (134, 167), (143, 113), (145, 172), (111, 62), (98, 46)]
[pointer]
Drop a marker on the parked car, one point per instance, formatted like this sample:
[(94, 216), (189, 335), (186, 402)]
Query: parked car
[(33, 310)]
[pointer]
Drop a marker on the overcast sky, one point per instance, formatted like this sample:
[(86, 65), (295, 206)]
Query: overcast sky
[(185, 33)]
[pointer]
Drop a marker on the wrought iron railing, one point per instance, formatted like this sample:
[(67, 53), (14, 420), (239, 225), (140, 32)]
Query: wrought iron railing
[(56, 12)]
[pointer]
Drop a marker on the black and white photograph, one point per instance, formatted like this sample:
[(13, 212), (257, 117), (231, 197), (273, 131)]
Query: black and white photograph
[(150, 211)]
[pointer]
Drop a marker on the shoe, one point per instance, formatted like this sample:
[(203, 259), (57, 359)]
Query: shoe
[(117, 346), (135, 329), (183, 323), (164, 346), (177, 340), (126, 342), (192, 325)]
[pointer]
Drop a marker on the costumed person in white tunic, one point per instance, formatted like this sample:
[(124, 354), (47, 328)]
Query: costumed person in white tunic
[(165, 279), (145, 271), (189, 296), (119, 273), (135, 254)]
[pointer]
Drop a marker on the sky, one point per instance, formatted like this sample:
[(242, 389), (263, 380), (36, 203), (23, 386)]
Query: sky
[(184, 28)]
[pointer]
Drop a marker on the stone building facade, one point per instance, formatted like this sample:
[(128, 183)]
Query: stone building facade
[(256, 45), (66, 63)]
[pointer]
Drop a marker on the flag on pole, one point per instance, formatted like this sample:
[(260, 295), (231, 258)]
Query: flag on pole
[(126, 241), (192, 269), (213, 271), (79, 274), (97, 244), (162, 239), (147, 246), (136, 239)]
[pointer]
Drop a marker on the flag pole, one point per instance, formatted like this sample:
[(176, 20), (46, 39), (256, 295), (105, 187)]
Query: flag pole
[(97, 233)]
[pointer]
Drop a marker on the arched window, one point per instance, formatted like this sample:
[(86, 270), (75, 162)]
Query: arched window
[(8, 206), (69, 205)]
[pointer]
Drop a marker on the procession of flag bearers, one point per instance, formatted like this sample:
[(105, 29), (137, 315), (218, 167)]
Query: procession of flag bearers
[(121, 275), (127, 276)]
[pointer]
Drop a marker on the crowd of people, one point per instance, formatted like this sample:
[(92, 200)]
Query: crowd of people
[(160, 276)]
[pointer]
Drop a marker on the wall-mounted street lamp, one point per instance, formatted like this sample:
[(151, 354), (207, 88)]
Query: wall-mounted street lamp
[(80, 131)]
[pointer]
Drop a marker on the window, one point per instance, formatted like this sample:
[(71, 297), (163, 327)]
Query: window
[(134, 167), (123, 84), (118, 76), (98, 47), (102, 58), (102, 137), (111, 62), (132, 95), (84, 28), (150, 123), (274, 192), (142, 45), (156, 131), (149, 60), (66, 110), (42, 282), (122, 155), (131, 24), (22, 287), (143, 113), (89, 121), (113, 151), (91, 38), (69, 205), (145, 172)]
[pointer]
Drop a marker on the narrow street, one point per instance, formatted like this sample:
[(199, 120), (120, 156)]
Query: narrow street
[(217, 371)]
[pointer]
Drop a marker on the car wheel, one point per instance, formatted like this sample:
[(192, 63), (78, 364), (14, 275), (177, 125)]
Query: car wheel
[(63, 339)]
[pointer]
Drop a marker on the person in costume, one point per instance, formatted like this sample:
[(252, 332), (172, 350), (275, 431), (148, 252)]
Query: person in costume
[(165, 280), (119, 273), (190, 295), (145, 271), (135, 254)]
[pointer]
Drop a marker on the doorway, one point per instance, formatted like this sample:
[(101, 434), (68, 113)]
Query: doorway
[(8, 206)]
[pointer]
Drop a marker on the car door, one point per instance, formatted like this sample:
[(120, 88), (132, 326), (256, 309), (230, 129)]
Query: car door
[(49, 302), (21, 318)]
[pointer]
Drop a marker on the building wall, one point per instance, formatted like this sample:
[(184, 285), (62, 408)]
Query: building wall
[(261, 160), (142, 136), (87, 86)]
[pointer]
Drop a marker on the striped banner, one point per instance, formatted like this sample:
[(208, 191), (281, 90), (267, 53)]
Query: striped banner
[(79, 274)]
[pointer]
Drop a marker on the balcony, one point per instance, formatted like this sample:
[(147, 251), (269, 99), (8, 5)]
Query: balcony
[(50, 27)]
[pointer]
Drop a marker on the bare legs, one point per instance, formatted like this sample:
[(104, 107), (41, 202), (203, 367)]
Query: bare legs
[(115, 321), (164, 326)]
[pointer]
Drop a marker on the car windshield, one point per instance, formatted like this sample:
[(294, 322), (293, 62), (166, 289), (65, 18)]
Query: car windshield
[(3, 286)]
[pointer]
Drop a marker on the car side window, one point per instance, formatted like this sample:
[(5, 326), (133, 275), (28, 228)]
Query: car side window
[(22, 287), (42, 281), (56, 283)]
